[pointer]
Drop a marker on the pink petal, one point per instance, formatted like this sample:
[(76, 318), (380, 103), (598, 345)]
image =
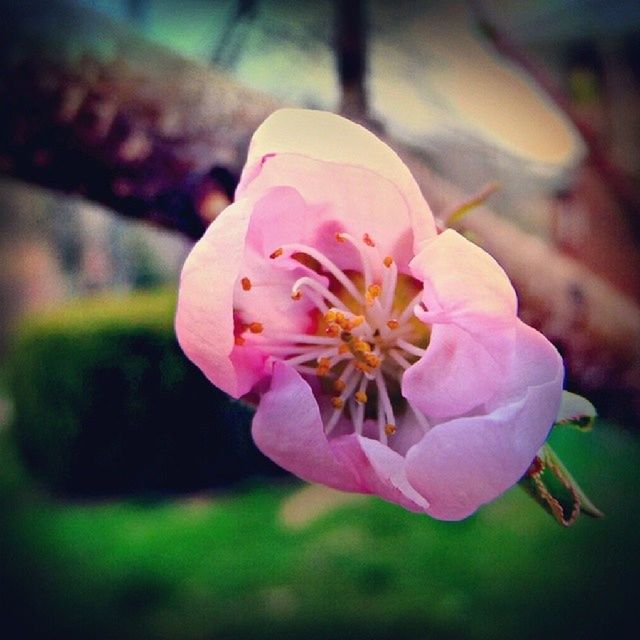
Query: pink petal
[(343, 171), (463, 284), (464, 463), (458, 372), (208, 284), (381, 471), (472, 307), (204, 316), (287, 428)]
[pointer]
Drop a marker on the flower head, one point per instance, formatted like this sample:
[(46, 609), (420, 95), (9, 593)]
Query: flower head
[(387, 357)]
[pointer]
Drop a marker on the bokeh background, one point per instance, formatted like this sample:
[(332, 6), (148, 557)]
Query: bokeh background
[(133, 502)]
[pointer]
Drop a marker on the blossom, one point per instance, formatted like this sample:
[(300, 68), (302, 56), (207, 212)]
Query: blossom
[(385, 357)]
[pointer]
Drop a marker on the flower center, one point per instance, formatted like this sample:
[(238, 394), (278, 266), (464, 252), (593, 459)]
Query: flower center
[(365, 334)]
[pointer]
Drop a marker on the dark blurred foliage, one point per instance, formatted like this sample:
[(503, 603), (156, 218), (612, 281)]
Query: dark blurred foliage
[(107, 404)]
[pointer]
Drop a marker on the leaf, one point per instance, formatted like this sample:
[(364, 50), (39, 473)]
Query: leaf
[(549, 482), (576, 411)]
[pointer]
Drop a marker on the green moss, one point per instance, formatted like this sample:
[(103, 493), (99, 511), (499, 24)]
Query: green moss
[(106, 403)]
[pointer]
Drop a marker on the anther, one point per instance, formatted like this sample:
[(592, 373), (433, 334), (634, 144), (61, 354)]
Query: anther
[(366, 238), (246, 284), (373, 291), (339, 385), (256, 327), (356, 321), (337, 402), (239, 340), (296, 295), (390, 429), (343, 348), (277, 253), (339, 237), (333, 330), (388, 261), (361, 346), (360, 397), (345, 336), (372, 360), (330, 316), (393, 324)]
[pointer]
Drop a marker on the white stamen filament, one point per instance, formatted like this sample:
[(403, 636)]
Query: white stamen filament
[(321, 289), (361, 248), (409, 309), (410, 348), (330, 266)]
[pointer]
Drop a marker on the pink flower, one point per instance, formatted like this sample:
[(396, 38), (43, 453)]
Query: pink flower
[(387, 358)]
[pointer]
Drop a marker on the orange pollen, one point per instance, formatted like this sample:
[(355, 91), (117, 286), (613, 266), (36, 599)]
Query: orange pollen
[(390, 429), (296, 295), (339, 385), (322, 371), (361, 346), (388, 261), (393, 324), (366, 238), (239, 340), (360, 397), (343, 348), (356, 322), (361, 366), (337, 402), (277, 253), (372, 360), (246, 284), (333, 330), (256, 327), (374, 290), (330, 316), (339, 237)]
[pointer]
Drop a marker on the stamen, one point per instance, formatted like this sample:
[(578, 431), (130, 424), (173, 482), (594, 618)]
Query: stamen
[(361, 396), (408, 310), (393, 324), (383, 395), (246, 284), (358, 415), (296, 295), (366, 266), (321, 289), (388, 261), (328, 264), (277, 253), (422, 421), (389, 284), (390, 429), (401, 360), (339, 385), (239, 340), (256, 327), (410, 348), (373, 291), (337, 402)]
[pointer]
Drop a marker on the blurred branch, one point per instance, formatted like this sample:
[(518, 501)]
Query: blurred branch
[(89, 108), (618, 181), (351, 57)]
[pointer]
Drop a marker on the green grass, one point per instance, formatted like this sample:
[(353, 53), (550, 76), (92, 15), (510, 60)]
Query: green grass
[(226, 567)]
